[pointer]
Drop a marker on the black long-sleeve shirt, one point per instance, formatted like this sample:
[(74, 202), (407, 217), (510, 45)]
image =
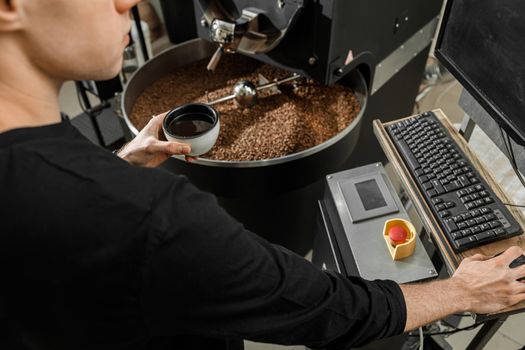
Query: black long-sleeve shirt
[(98, 254)]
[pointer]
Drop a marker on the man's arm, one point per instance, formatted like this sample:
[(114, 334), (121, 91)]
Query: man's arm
[(205, 274), (481, 284)]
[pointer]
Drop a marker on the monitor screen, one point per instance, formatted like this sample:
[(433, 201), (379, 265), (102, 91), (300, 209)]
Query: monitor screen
[(482, 43)]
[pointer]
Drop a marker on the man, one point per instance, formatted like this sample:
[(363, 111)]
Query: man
[(98, 253)]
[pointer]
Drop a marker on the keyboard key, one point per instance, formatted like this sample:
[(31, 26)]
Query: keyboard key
[(479, 202), (488, 200), (464, 180), (444, 214), (466, 232), (437, 200), (450, 204), (484, 235), (480, 220), (437, 186), (440, 207), (484, 227), (462, 225), (495, 224), (475, 229), (475, 213), (456, 235), (470, 205), (471, 223), (490, 217), (407, 155), (432, 193), (500, 231), (457, 219), (452, 186), (464, 242), (486, 210), (450, 225), (461, 193), (466, 216)]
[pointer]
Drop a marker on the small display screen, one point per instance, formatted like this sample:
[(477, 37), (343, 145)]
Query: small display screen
[(370, 195)]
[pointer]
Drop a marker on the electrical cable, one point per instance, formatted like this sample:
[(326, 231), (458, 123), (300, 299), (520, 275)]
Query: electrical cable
[(510, 155), (84, 109), (468, 328), (514, 205)]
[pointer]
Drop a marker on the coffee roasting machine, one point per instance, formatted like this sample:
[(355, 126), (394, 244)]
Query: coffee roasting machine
[(378, 47)]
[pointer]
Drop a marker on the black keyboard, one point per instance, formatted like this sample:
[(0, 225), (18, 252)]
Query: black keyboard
[(467, 209)]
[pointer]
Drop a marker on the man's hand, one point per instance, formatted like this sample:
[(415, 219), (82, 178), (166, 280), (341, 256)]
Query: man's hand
[(489, 282), (481, 284), (147, 149)]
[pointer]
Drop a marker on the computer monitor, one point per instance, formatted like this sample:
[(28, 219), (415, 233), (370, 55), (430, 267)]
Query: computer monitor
[(482, 43)]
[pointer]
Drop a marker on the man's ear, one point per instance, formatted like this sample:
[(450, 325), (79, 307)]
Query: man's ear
[(10, 18)]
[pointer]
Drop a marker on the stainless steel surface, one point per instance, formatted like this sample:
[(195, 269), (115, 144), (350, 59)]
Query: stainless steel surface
[(215, 59), (365, 238), (198, 49), (222, 32), (294, 77), (251, 37), (245, 92), (392, 64)]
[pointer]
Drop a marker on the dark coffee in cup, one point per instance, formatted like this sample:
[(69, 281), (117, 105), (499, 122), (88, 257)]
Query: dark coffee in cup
[(190, 121), (190, 124)]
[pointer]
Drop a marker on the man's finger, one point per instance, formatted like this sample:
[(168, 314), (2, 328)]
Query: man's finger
[(171, 148), (518, 272), (509, 255), (518, 298)]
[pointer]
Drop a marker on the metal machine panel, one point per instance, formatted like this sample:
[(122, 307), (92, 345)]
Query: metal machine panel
[(374, 198), (363, 228)]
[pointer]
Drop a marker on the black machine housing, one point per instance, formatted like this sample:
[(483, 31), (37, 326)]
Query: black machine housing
[(317, 44), (329, 38)]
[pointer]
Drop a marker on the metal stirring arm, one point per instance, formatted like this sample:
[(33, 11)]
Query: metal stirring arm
[(279, 82), (246, 88)]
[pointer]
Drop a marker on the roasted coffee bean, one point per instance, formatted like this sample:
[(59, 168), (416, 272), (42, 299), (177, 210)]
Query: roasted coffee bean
[(279, 125)]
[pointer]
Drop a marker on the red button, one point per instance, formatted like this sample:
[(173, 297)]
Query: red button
[(397, 234)]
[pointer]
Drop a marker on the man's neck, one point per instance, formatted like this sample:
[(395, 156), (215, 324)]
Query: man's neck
[(28, 98)]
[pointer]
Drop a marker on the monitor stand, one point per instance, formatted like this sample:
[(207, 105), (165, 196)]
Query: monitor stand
[(476, 115)]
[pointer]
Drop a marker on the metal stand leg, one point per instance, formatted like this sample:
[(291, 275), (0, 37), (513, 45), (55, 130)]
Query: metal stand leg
[(136, 18), (92, 116), (467, 127), (486, 333)]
